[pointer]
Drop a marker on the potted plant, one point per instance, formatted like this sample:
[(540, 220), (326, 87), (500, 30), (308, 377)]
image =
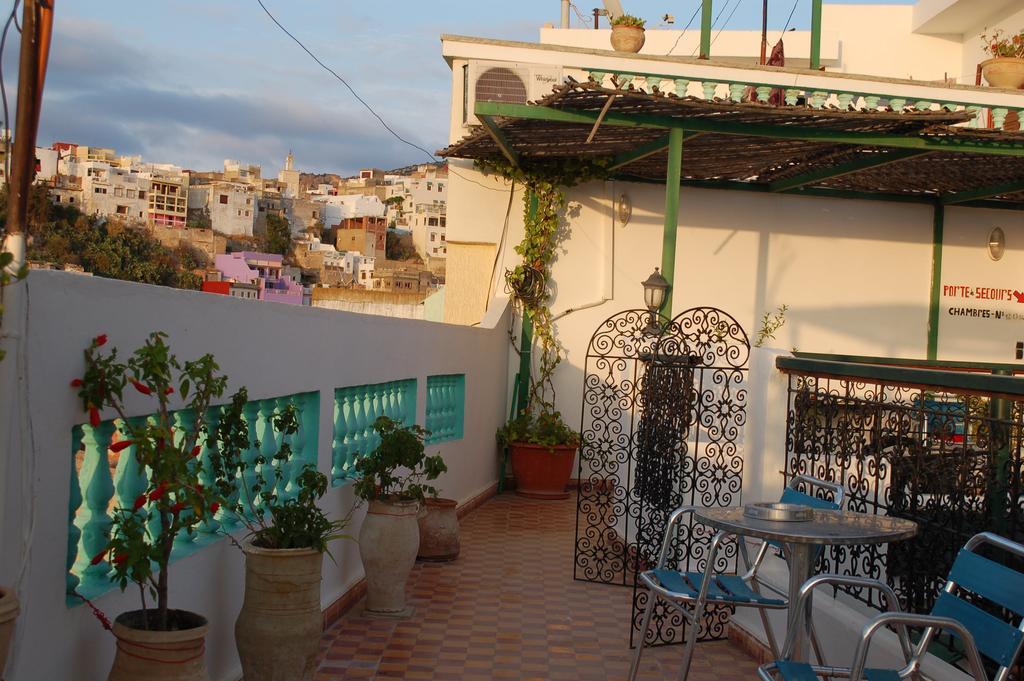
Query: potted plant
[(542, 449), (155, 641), (393, 480), (627, 33), (1005, 67), (277, 632)]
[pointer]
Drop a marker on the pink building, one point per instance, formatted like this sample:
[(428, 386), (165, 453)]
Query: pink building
[(262, 270)]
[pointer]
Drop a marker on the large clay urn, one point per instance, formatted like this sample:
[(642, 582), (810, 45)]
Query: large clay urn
[(8, 614), (177, 655), (1004, 72), (542, 472), (278, 630), (628, 38), (439, 530), (388, 542)]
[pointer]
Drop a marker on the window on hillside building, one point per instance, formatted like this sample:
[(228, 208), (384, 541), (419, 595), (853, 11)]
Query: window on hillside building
[(122, 210), (118, 191), (432, 235), (142, 194), (131, 193), (224, 198)]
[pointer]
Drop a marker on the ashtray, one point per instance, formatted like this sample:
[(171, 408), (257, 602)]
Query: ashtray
[(786, 513)]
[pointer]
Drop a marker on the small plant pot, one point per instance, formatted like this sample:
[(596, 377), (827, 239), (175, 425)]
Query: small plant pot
[(388, 542), (8, 614), (278, 630), (439, 530), (175, 655), (1004, 72), (542, 472), (627, 38)]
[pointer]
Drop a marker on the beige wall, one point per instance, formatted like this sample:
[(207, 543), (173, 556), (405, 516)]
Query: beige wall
[(466, 294)]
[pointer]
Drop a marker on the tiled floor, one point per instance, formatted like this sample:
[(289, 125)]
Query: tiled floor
[(508, 608)]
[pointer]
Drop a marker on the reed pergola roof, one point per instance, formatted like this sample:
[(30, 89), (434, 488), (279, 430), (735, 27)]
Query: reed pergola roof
[(910, 155)]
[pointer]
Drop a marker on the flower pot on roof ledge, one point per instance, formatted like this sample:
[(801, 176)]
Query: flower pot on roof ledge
[(1004, 72), (542, 471), (628, 38), (278, 630), (388, 542), (178, 654), (8, 614), (439, 530)]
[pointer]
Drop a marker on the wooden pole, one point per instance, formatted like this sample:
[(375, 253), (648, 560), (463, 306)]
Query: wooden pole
[(764, 33)]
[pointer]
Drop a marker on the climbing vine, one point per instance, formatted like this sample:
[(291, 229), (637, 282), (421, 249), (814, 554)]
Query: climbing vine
[(528, 282)]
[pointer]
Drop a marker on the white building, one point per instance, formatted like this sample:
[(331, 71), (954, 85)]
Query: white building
[(232, 205), (289, 177), (360, 267), (429, 230), (338, 208), (112, 191)]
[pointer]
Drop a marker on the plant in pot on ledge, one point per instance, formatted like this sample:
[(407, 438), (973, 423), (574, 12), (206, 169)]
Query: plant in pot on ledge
[(156, 641), (1005, 67), (393, 480), (627, 33), (278, 630)]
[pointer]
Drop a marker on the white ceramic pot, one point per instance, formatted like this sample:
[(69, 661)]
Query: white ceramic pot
[(627, 38), (278, 630), (1004, 72), (388, 541), (178, 655), (439, 530), (8, 614)]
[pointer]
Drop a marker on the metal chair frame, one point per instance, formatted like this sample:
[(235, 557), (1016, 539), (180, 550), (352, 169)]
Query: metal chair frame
[(894, 618), (677, 600)]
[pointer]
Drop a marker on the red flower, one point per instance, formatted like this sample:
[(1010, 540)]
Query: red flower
[(142, 387), (76, 383), (195, 451), (98, 558), (100, 340), (94, 416), (120, 558), (158, 493), (121, 444), (177, 507), (140, 501), (168, 390), (214, 506)]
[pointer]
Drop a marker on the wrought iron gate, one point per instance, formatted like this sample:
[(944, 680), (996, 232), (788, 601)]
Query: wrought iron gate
[(662, 420)]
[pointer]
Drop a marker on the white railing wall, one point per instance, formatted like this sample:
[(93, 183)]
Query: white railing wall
[(274, 350)]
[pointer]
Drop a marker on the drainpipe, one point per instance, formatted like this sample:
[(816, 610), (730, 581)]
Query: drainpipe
[(565, 13), (938, 222)]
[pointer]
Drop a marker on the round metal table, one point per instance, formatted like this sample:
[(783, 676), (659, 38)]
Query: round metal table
[(802, 538)]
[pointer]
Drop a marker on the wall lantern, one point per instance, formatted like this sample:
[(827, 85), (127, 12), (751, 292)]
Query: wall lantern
[(655, 288), (996, 243), (623, 210)]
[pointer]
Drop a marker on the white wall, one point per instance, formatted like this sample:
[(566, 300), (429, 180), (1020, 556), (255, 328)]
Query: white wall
[(299, 349)]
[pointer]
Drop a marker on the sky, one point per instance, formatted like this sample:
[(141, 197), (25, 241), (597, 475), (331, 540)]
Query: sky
[(194, 82)]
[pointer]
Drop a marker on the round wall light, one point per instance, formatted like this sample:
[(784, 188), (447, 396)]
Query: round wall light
[(623, 210), (996, 243)]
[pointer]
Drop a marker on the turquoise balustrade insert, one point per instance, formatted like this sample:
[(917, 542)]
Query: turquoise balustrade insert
[(446, 407), (102, 481), (355, 410)]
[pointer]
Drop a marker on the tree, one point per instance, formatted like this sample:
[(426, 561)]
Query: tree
[(199, 218), (397, 249), (279, 235)]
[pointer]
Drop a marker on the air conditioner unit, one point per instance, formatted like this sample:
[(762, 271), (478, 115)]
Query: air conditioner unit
[(505, 82)]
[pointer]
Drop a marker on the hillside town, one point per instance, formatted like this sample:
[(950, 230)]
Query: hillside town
[(374, 243)]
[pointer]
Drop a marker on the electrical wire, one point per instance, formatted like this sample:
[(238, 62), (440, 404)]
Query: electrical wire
[(580, 15), (714, 22), (791, 12), (727, 19), (3, 89), (362, 101), (680, 37)]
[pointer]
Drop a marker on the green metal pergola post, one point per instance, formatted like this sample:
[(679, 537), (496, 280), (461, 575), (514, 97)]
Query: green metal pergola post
[(1001, 414), (705, 29), (938, 226), (672, 189), (526, 342), (815, 34)]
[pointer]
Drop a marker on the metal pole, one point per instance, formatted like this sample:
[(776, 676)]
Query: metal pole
[(24, 154), (565, 13), (668, 243), (705, 29), (1000, 413), (526, 342), (815, 34), (764, 33), (938, 222)]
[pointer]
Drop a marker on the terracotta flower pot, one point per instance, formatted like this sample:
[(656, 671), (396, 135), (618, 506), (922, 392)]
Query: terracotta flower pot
[(8, 614), (439, 530), (1004, 72), (388, 542), (542, 472), (177, 655), (278, 630), (627, 38)]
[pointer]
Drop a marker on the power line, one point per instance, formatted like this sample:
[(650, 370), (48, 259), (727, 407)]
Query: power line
[(680, 37), (791, 11), (362, 101), (713, 23), (726, 22)]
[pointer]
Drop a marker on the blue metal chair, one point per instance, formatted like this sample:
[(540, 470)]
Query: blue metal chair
[(979, 632), (677, 589)]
